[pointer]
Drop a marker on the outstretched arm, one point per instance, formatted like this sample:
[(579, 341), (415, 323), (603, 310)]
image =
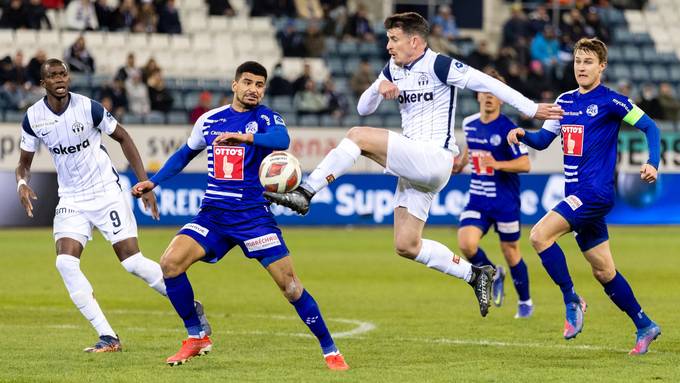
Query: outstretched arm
[(648, 171), (178, 161), (481, 82), (538, 140)]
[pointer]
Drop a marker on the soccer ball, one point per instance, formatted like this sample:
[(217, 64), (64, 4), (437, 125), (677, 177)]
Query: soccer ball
[(280, 172)]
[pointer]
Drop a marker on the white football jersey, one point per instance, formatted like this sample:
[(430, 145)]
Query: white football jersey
[(84, 169), (427, 96)]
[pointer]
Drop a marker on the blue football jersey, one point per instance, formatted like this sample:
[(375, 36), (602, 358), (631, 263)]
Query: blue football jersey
[(589, 131), (489, 188), (233, 170)]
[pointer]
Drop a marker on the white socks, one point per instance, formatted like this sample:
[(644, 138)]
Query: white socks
[(146, 269), (335, 164), (437, 256), (80, 290)]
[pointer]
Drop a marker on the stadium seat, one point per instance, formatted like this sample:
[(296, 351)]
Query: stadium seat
[(155, 118), (631, 54), (370, 49), (27, 40), (191, 99), (351, 120), (659, 73), (159, 42), (349, 48), (615, 54), (116, 40), (336, 66), (308, 120), (620, 71), (216, 24), (373, 120), (14, 116), (261, 24), (133, 119), (392, 122), (674, 73), (330, 121), (640, 72)]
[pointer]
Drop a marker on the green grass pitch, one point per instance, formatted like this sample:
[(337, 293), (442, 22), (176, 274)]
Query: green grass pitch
[(397, 321)]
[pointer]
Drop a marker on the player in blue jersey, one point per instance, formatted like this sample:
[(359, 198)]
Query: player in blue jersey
[(233, 212), (589, 132), (494, 195)]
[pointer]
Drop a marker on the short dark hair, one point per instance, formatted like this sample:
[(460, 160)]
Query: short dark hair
[(494, 73), (49, 63), (409, 22), (593, 45), (251, 67)]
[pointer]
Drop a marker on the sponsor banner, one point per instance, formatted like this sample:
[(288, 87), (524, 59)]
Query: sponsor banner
[(310, 145), (367, 199)]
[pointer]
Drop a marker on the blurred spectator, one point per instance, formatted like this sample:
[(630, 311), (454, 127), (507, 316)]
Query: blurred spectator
[(12, 79), (161, 99), (515, 77), (623, 87), (78, 58), (359, 26), (545, 48), (538, 19), (204, 105), (362, 78), (537, 80), (277, 8), (292, 42), (107, 103), (220, 8), (36, 15), (225, 99), (147, 19), (34, 66), (573, 26), (14, 15), (480, 58), (334, 20), (125, 15), (309, 100), (53, 4), (595, 27), (279, 85), (506, 55), (149, 68), (300, 82), (649, 102), (517, 27), (670, 106), (138, 95), (445, 19), (438, 43), (336, 102), (81, 16), (309, 9), (117, 92), (128, 69), (105, 15), (315, 42), (168, 19)]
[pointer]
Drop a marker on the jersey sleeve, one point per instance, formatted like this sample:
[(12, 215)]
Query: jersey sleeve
[(102, 119), (385, 74), (516, 151), (29, 141), (196, 140), (625, 110), (451, 71)]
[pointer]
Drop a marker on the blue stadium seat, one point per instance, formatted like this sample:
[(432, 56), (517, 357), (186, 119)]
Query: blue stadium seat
[(14, 116), (632, 54), (177, 118), (378, 65), (330, 121), (178, 104), (336, 66), (290, 119), (372, 120), (659, 73), (674, 74), (282, 104), (309, 120), (349, 48), (351, 120), (615, 54), (80, 81), (640, 72), (133, 119), (392, 122), (619, 71), (331, 45), (370, 50), (155, 117), (191, 99), (622, 35)]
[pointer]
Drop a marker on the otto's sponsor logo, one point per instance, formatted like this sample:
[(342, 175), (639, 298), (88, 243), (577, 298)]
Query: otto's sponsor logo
[(407, 98), (263, 242), (572, 140), (621, 104), (70, 149), (197, 228), (229, 162)]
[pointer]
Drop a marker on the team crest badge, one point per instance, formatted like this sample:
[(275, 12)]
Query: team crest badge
[(251, 127), (77, 127), (592, 110), (423, 80), (495, 140)]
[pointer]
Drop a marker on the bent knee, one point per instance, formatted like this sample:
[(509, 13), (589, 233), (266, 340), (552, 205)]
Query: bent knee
[(358, 135), (170, 266), (539, 241), (407, 249), (468, 248), (292, 290), (604, 276)]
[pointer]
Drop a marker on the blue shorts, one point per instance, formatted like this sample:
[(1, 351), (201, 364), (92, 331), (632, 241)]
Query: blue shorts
[(255, 232), (506, 223), (586, 218)]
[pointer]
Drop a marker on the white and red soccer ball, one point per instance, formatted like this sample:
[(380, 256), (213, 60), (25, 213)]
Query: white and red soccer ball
[(280, 172)]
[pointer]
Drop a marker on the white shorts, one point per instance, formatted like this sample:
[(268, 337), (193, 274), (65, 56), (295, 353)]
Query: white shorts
[(423, 169), (110, 213)]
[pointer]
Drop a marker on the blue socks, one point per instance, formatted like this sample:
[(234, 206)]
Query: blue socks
[(308, 311), (480, 259), (555, 264), (520, 278), (621, 294), (182, 297)]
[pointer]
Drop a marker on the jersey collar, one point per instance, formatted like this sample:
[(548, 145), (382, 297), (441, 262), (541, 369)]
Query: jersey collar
[(410, 66), (62, 112)]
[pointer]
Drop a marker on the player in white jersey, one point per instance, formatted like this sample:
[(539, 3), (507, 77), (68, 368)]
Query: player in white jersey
[(70, 126), (424, 83)]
